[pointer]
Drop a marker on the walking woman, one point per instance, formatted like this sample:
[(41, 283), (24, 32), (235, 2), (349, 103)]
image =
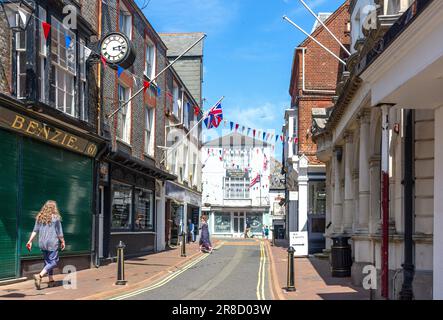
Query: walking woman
[(205, 242), (49, 228)]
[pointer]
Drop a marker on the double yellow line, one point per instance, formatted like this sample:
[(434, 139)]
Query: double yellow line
[(261, 273), (165, 280)]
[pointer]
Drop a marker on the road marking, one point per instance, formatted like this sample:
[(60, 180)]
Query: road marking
[(166, 280), (261, 274)]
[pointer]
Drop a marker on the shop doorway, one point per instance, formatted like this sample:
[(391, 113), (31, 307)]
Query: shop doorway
[(239, 224)]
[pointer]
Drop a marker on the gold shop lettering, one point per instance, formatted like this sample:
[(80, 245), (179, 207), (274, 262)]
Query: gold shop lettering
[(40, 130)]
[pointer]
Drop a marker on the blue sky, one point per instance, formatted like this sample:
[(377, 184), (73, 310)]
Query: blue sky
[(248, 52)]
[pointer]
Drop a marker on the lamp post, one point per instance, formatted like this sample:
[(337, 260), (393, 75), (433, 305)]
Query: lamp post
[(18, 13)]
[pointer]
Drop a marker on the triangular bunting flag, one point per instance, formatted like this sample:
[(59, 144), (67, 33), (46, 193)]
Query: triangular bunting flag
[(196, 110), (103, 60), (232, 125), (249, 130), (236, 127), (276, 138), (159, 91), (68, 41), (46, 29), (253, 132), (87, 53), (120, 70), (146, 85), (264, 135)]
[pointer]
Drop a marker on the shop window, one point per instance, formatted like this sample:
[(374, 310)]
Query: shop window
[(255, 222), (121, 207), (222, 223), (317, 198), (144, 210)]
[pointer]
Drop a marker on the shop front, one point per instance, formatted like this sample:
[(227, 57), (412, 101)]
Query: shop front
[(129, 208), (182, 205), (42, 160), (235, 222)]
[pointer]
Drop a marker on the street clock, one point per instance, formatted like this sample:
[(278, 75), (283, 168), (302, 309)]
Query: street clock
[(117, 49)]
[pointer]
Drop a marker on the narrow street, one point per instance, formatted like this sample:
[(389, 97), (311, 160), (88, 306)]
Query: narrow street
[(236, 270)]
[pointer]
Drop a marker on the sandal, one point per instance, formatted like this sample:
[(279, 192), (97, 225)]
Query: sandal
[(37, 281), (51, 284)]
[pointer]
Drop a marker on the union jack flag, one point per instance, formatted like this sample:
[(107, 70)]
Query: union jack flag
[(215, 117), (255, 181)]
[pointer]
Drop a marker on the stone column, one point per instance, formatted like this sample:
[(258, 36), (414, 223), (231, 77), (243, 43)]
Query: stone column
[(329, 204), (438, 206), (349, 207), (337, 212), (364, 179)]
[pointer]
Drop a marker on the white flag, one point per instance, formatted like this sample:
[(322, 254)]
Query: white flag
[(87, 53)]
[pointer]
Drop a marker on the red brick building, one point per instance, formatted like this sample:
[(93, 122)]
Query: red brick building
[(314, 77)]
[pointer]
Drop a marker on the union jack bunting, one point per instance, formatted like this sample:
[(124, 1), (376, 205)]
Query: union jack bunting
[(215, 117)]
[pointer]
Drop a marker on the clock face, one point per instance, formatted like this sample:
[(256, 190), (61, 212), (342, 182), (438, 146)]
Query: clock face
[(115, 48)]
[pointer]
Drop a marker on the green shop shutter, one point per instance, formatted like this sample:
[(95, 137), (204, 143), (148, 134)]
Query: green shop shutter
[(50, 173), (8, 204)]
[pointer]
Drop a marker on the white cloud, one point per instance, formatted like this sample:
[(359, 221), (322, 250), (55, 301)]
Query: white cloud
[(267, 116), (192, 15)]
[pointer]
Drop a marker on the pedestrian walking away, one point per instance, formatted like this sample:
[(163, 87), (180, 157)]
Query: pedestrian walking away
[(266, 232), (205, 242), (49, 228)]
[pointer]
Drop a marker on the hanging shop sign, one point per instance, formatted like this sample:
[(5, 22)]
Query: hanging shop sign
[(36, 129)]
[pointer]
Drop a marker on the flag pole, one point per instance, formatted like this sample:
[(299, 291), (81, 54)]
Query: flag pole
[(158, 75), (205, 115), (327, 29), (315, 40)]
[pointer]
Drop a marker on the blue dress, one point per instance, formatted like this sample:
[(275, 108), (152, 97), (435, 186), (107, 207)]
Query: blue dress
[(204, 237)]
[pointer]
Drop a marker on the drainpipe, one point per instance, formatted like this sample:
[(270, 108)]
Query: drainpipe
[(385, 202), (303, 49), (406, 292)]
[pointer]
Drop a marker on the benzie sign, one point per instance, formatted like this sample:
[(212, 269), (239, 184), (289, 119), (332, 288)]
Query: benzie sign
[(41, 131)]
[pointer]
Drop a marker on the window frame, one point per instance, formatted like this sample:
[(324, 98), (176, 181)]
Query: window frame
[(127, 121), (149, 148), (124, 12), (152, 57)]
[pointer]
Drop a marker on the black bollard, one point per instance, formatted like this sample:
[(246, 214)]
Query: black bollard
[(121, 264), (291, 286), (183, 244)]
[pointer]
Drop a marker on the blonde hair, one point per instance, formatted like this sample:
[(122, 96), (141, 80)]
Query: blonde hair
[(204, 218), (47, 212)]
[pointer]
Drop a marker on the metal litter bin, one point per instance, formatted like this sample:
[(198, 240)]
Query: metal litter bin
[(341, 257)]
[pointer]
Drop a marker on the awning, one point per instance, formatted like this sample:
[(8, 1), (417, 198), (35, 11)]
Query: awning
[(143, 167)]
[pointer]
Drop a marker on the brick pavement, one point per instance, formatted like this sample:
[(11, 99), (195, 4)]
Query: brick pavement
[(99, 283), (313, 280)]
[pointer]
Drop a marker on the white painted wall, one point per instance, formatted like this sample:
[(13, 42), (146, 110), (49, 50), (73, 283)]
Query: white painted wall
[(438, 206)]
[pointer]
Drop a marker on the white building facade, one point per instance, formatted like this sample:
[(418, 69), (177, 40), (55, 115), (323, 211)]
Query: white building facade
[(236, 181), (383, 144)]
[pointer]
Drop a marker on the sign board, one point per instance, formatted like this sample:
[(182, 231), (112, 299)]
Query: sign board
[(46, 133), (236, 173), (293, 196), (299, 241)]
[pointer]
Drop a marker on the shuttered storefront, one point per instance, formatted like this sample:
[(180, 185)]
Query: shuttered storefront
[(8, 204), (32, 172), (51, 173)]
